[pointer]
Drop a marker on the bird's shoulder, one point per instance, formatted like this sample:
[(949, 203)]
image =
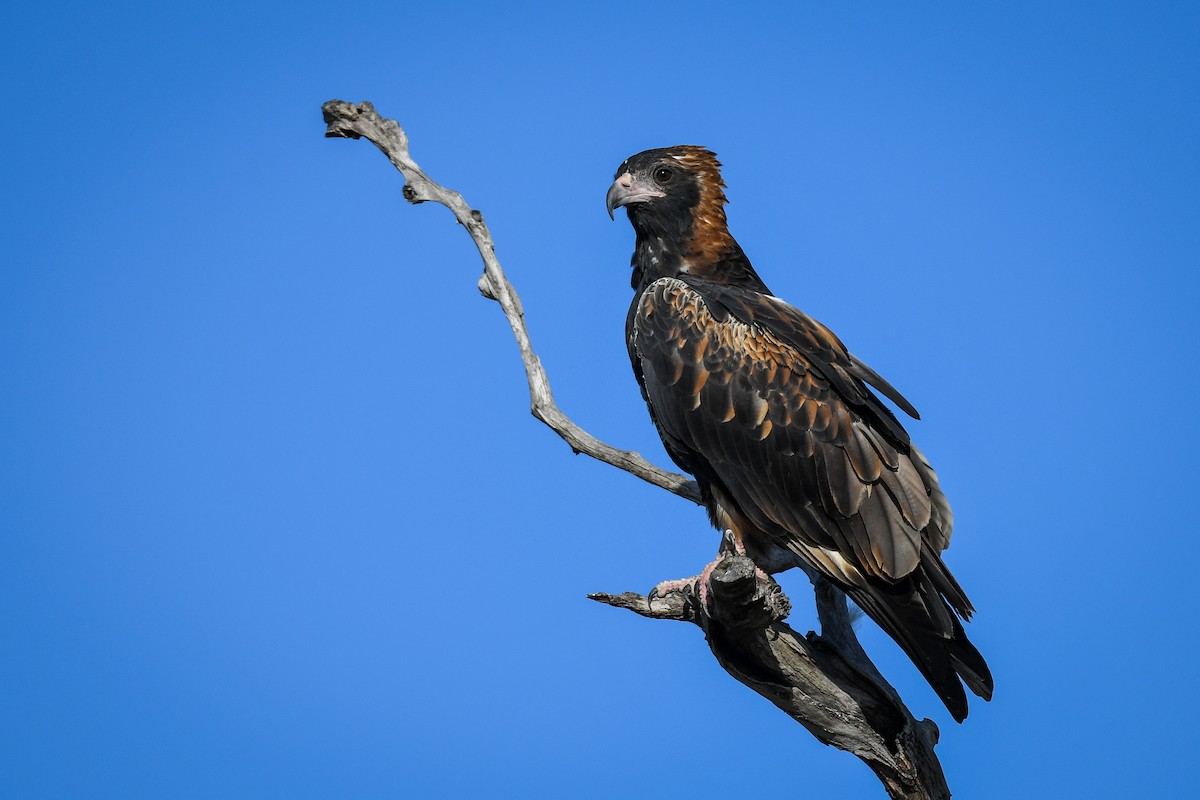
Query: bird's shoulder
[(753, 327)]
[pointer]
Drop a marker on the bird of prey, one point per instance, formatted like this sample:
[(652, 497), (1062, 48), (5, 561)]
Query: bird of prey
[(795, 456)]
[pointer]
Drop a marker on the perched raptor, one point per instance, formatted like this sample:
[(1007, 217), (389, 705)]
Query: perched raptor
[(794, 454)]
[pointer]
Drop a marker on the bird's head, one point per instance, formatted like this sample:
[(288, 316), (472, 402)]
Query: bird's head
[(668, 185), (675, 199)]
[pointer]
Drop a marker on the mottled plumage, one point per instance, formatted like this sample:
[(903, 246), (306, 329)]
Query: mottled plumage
[(765, 406)]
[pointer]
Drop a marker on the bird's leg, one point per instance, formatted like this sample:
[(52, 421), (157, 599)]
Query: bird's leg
[(731, 543)]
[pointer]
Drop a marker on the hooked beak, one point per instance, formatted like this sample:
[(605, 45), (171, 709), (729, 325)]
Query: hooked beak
[(625, 191)]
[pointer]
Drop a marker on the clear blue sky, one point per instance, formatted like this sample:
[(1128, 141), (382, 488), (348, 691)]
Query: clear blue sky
[(275, 520)]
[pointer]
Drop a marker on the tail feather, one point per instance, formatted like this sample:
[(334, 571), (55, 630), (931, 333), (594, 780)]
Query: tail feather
[(970, 664), (944, 655)]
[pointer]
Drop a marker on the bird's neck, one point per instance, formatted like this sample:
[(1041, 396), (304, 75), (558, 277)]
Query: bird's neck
[(708, 252)]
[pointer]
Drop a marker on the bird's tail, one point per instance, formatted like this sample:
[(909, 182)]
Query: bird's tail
[(922, 614)]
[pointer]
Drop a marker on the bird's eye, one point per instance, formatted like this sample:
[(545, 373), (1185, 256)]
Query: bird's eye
[(662, 175)]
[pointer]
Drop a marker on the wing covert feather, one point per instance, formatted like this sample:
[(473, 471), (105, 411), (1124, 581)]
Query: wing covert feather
[(772, 405)]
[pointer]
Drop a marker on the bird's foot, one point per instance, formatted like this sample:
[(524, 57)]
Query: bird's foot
[(693, 588), (685, 585), (696, 587)]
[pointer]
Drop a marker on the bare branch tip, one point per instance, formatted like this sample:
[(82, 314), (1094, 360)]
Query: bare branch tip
[(673, 606), (338, 116), (630, 600)]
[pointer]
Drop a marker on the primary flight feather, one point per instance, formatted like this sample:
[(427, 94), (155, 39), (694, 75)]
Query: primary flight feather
[(793, 452)]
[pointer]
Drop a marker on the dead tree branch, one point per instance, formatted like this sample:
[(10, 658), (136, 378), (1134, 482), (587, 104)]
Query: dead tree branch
[(349, 121), (841, 701), (825, 682)]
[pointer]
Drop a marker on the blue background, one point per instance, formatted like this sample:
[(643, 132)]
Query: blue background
[(275, 520)]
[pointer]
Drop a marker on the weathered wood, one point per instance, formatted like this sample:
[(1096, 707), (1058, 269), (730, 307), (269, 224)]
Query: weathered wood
[(825, 682)]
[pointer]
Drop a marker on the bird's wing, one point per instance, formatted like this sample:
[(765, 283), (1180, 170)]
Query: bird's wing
[(769, 403)]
